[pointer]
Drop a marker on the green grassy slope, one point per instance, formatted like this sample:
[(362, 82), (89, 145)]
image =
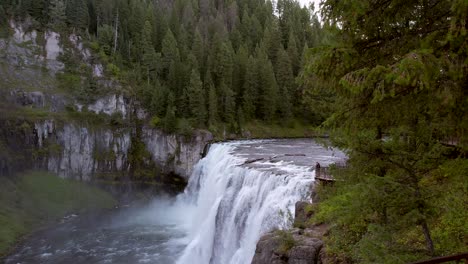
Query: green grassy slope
[(38, 198)]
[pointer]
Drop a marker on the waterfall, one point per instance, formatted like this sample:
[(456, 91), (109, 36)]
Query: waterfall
[(233, 205)]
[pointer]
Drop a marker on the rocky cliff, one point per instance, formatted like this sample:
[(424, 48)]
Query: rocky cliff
[(43, 126)]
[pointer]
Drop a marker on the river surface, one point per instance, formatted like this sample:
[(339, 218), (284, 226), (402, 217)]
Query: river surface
[(239, 191)]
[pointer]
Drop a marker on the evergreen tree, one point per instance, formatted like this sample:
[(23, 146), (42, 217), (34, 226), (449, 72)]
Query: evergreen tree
[(250, 94), (269, 92), (183, 104), (212, 101), (170, 120), (293, 54), (285, 79), (197, 98), (239, 72), (228, 103), (77, 14), (198, 50), (170, 50), (159, 98), (57, 14), (150, 58), (399, 101), (3, 16)]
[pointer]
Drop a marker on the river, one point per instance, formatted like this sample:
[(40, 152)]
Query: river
[(239, 191)]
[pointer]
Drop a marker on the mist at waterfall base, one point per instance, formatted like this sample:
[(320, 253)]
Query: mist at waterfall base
[(227, 205)]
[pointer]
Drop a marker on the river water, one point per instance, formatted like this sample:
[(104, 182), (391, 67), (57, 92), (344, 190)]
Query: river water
[(239, 191)]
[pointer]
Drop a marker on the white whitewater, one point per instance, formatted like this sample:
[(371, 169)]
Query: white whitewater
[(234, 205)]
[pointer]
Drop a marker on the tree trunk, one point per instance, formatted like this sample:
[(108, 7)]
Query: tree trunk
[(427, 236), (116, 32)]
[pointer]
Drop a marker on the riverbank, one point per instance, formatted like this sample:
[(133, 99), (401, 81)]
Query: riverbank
[(35, 199)]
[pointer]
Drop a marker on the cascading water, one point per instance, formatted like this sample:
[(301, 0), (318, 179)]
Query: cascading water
[(235, 204), (238, 192)]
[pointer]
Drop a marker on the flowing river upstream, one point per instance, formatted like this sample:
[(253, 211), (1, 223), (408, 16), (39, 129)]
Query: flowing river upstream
[(239, 191)]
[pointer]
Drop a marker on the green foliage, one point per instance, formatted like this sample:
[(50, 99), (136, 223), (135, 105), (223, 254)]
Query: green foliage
[(3, 17), (286, 241), (400, 111), (36, 198), (57, 14), (197, 99), (212, 103), (170, 120), (105, 38), (155, 121), (77, 14)]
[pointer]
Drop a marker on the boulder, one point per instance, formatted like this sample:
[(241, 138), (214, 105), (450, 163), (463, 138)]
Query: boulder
[(301, 245), (303, 250)]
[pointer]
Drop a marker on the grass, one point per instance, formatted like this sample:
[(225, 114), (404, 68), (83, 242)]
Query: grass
[(34, 199)]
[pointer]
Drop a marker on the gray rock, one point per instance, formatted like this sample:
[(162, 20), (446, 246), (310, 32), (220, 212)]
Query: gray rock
[(302, 214), (266, 251), (176, 153), (35, 99), (305, 250), (110, 105)]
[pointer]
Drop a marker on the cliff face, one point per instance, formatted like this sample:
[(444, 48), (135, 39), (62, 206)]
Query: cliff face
[(82, 153), (44, 127)]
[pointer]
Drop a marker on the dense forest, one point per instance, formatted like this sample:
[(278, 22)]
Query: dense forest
[(206, 61)]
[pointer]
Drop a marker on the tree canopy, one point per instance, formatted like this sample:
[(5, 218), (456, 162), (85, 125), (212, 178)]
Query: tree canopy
[(396, 74)]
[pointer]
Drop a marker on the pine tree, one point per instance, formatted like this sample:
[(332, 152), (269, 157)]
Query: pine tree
[(159, 98), (285, 79), (170, 50), (399, 100), (170, 120), (228, 103), (250, 95), (293, 54), (198, 50), (183, 103), (3, 16), (269, 92), (150, 58), (212, 101), (57, 14), (77, 14), (197, 99), (239, 72)]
